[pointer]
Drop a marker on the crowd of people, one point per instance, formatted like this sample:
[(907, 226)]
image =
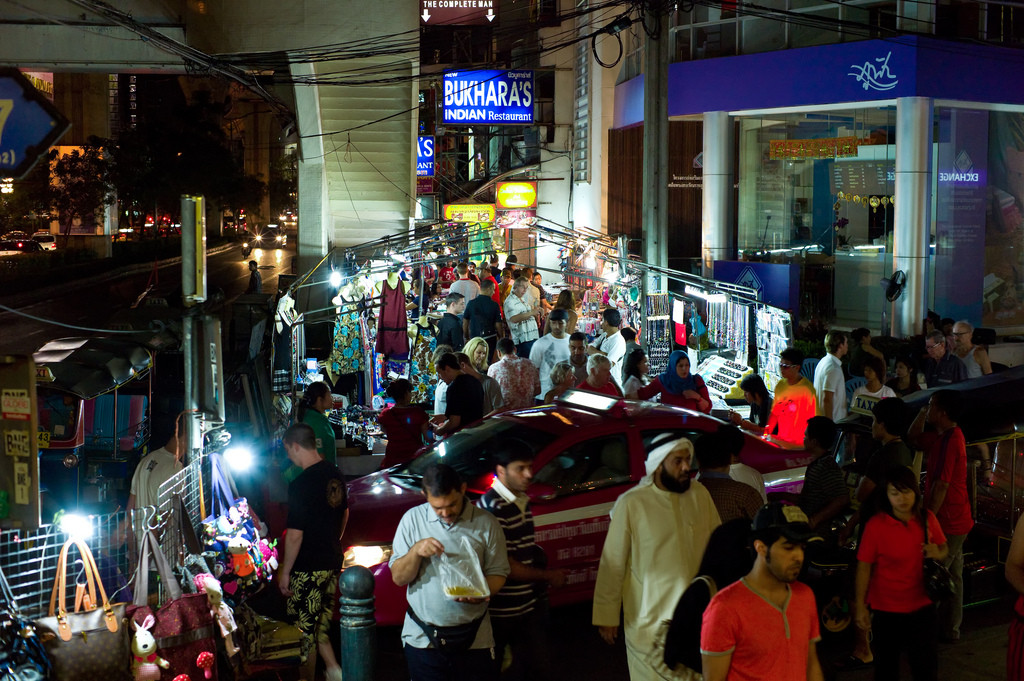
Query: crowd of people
[(701, 572)]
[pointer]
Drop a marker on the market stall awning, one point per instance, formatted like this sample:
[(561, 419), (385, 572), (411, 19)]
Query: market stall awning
[(88, 367)]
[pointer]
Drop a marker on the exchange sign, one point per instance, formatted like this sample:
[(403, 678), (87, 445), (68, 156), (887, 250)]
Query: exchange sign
[(488, 97), (29, 124)]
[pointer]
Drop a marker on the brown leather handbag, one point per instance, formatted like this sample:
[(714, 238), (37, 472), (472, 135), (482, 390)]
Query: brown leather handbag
[(93, 642)]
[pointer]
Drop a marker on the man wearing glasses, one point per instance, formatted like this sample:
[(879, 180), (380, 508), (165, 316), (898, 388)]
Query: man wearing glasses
[(942, 367), (795, 401), (974, 357)]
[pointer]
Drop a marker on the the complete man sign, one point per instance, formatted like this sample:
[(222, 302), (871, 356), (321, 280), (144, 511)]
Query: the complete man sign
[(488, 97)]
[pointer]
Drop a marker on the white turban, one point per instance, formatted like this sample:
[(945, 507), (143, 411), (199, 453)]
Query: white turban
[(658, 454)]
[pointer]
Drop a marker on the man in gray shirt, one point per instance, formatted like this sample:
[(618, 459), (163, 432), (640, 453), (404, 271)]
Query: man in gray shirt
[(447, 524)]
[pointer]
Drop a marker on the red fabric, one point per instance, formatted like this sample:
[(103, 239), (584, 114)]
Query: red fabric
[(1015, 649), (655, 387), (392, 325), (609, 389), (743, 623), (897, 581), (189, 616), (402, 427), (946, 457)]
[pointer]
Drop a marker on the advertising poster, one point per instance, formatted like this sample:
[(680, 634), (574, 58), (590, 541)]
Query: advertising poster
[(1003, 282), (960, 212)]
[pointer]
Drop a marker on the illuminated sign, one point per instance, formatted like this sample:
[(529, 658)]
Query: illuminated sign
[(517, 195), (457, 12), (469, 212), (425, 156), (488, 97)]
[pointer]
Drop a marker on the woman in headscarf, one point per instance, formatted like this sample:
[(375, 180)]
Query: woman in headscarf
[(677, 386)]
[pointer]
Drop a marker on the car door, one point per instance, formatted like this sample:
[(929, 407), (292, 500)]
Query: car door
[(581, 482)]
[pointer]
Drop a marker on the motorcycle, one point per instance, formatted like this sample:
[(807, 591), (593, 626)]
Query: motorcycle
[(246, 249)]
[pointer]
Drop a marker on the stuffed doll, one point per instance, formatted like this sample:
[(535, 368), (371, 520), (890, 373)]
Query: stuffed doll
[(146, 664), (268, 550), (221, 612), (241, 562)]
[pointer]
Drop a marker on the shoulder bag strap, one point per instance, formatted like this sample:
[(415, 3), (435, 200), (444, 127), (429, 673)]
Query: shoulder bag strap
[(151, 552), (428, 630)]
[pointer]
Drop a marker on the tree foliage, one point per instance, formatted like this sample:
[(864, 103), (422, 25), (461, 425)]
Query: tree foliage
[(81, 186)]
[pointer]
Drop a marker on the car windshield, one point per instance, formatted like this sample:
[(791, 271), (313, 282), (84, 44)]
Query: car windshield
[(469, 451)]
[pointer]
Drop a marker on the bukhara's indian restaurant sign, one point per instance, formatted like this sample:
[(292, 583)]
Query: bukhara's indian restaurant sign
[(488, 97), (827, 147), (469, 212), (516, 195)]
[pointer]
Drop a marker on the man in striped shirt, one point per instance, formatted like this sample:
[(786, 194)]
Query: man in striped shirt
[(519, 611)]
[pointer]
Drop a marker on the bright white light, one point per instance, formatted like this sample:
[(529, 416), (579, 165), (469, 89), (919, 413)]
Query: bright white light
[(335, 279), (869, 247), (589, 262), (710, 297), (76, 526), (239, 458), (398, 257)]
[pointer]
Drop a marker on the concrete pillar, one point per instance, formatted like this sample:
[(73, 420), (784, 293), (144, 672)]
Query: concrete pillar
[(717, 242), (655, 179), (314, 230), (912, 232)]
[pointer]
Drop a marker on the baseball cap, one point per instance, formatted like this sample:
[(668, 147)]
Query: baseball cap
[(791, 521), (558, 315)]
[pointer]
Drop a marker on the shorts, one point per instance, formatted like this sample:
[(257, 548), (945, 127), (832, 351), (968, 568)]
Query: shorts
[(312, 604)]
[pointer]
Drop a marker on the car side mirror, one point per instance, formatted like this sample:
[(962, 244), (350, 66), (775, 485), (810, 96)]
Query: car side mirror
[(541, 493)]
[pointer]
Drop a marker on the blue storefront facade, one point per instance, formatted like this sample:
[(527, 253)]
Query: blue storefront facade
[(856, 159)]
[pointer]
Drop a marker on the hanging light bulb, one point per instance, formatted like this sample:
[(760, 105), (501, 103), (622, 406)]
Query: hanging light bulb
[(335, 278)]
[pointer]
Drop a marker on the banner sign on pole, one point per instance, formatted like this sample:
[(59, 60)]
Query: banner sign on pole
[(488, 97), (425, 156), (516, 195)]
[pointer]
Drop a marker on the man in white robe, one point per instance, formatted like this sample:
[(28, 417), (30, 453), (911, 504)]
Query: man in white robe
[(655, 543)]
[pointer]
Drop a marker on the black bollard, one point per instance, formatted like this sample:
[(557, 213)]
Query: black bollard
[(358, 625)]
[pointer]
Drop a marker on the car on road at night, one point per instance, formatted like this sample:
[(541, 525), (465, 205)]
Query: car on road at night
[(46, 240), (588, 449), (19, 246)]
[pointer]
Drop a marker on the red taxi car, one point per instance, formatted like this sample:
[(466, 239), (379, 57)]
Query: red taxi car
[(588, 450)]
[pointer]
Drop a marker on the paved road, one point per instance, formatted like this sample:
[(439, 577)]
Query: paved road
[(99, 302)]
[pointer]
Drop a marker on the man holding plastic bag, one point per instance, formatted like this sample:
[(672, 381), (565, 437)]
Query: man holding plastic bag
[(452, 556)]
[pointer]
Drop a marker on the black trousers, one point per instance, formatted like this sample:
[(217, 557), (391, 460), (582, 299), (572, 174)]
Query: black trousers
[(429, 664), (913, 633), (527, 638)]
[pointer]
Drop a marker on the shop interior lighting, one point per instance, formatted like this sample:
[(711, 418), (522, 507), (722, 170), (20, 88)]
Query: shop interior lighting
[(335, 278), (710, 297), (869, 247)]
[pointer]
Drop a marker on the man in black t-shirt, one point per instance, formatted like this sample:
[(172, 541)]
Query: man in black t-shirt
[(464, 397), (482, 316), (449, 329), (317, 514)]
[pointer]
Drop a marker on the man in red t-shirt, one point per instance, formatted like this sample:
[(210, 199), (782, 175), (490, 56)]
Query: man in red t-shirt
[(945, 493), (765, 626), (599, 377)]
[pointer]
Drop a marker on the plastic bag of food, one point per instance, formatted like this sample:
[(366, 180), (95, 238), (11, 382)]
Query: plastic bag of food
[(461, 574)]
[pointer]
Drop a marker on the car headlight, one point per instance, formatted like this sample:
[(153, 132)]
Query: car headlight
[(280, 238), (367, 556)]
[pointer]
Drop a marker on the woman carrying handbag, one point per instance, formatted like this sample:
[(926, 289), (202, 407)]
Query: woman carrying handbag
[(897, 542)]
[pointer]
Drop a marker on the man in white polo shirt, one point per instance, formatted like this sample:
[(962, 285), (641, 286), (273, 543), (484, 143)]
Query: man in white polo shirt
[(829, 382)]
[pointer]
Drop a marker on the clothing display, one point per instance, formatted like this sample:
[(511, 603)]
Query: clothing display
[(347, 352), (421, 369), (392, 327)]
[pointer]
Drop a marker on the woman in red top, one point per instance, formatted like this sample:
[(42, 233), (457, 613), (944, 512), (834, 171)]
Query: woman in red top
[(403, 424), (678, 386), (890, 579)]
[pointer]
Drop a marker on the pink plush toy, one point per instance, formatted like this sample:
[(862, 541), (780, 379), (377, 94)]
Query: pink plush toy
[(146, 664), (269, 552)]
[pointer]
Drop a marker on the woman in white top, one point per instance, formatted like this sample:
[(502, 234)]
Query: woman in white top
[(874, 372), (635, 372)]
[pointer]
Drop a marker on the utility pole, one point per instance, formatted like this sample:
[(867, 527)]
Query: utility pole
[(193, 287), (655, 164)]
